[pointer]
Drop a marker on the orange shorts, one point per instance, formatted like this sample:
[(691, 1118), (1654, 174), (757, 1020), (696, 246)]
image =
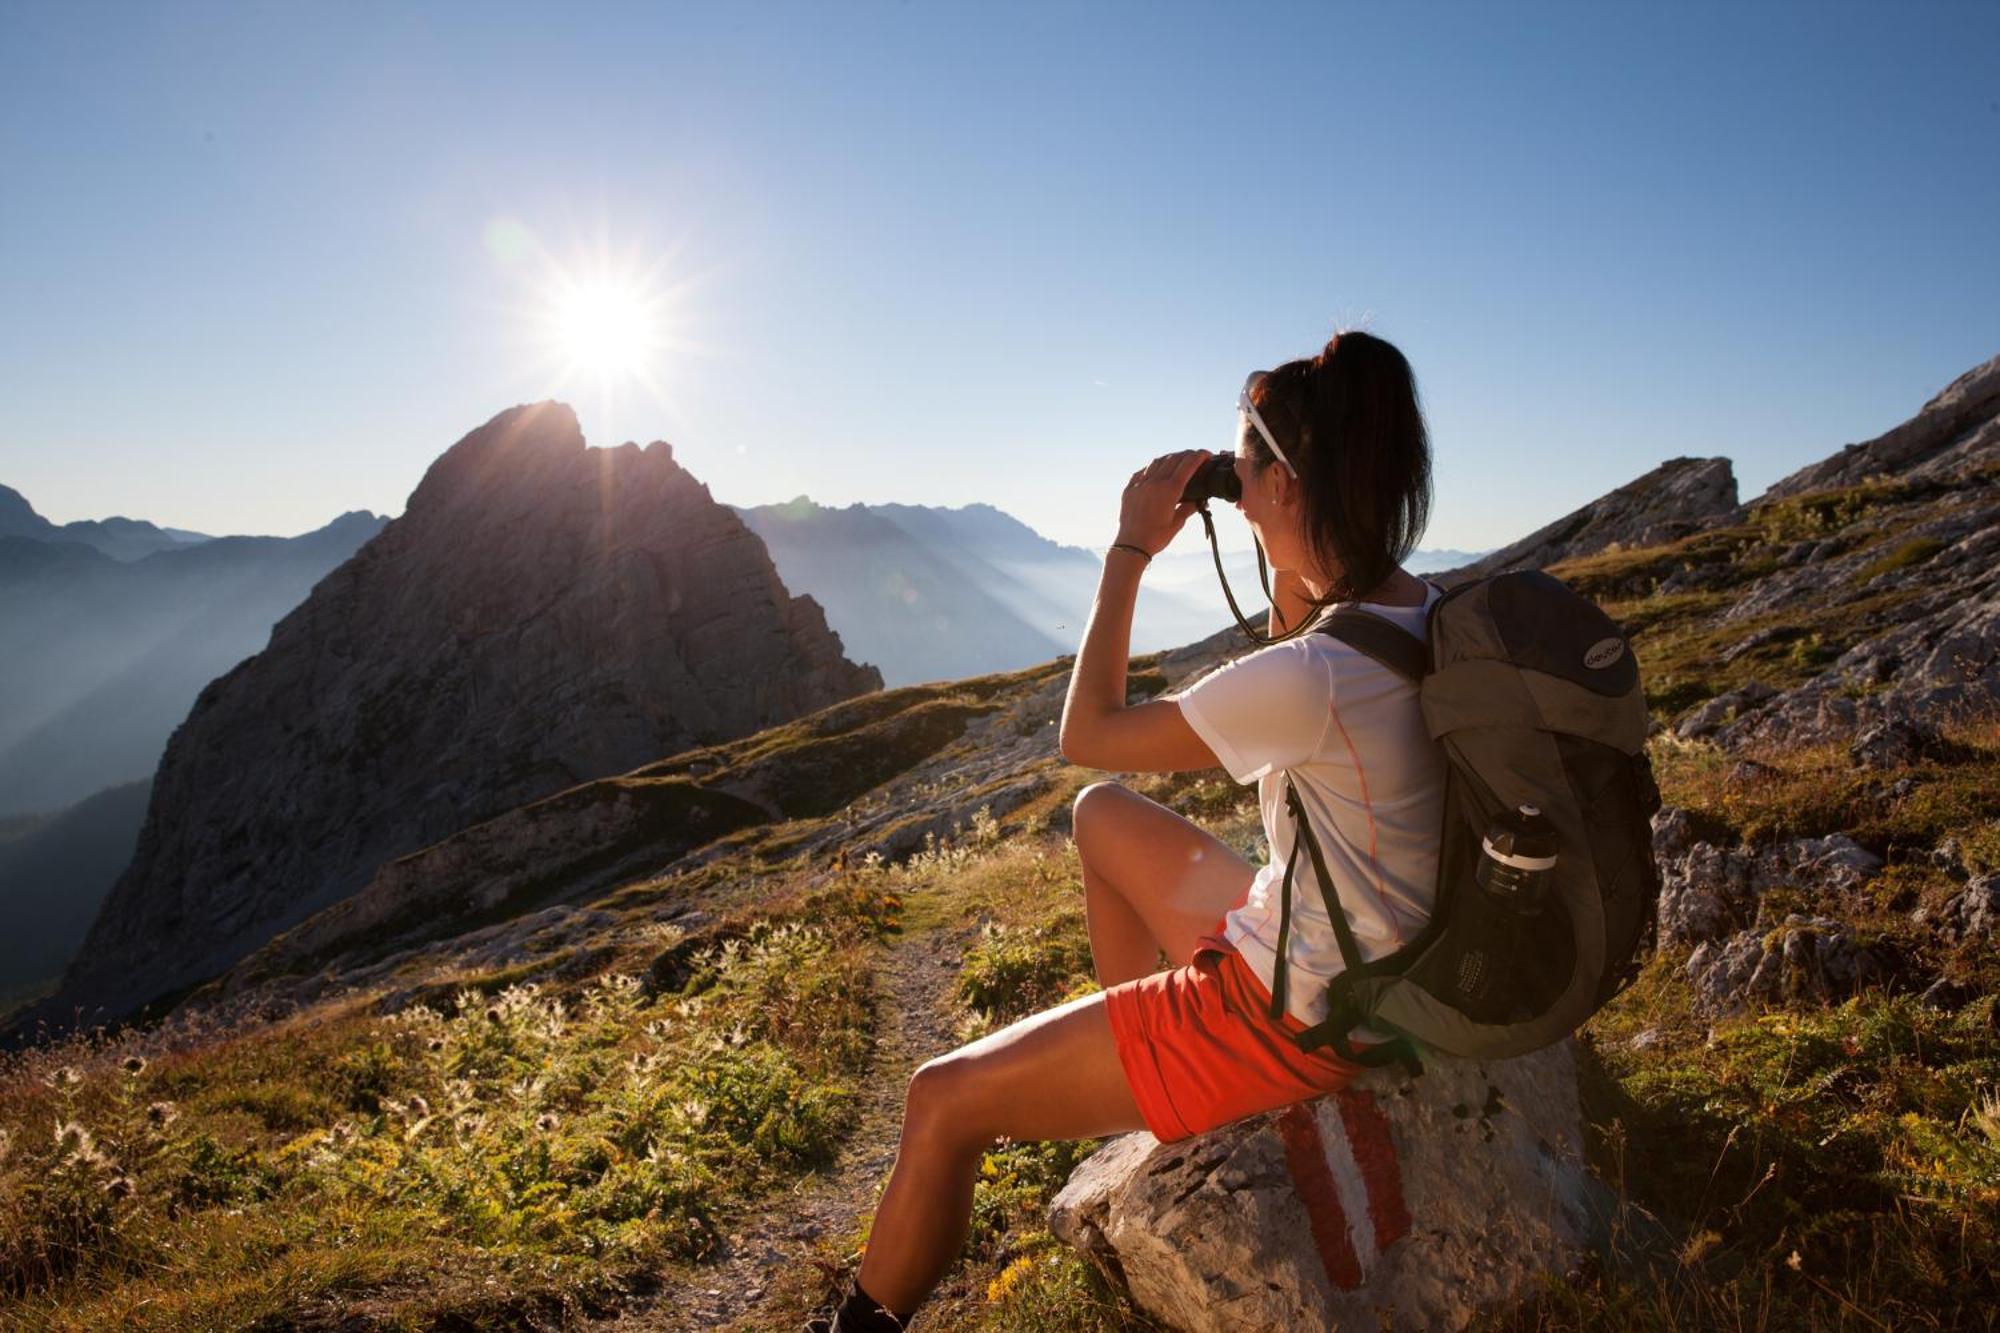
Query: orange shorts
[(1200, 1048)]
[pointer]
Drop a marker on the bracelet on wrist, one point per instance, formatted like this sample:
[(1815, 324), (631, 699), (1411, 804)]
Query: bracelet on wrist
[(1142, 552)]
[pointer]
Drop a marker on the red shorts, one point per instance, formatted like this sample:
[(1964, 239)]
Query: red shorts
[(1200, 1048)]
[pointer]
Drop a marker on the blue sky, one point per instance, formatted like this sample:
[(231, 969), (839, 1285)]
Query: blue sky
[(261, 264)]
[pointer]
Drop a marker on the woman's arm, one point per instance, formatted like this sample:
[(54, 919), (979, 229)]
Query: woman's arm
[(1098, 729)]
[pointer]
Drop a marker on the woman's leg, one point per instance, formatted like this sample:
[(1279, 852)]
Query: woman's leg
[(1053, 1075), (1152, 881)]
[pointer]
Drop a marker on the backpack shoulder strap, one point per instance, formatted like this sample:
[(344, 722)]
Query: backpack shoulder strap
[(1395, 648)]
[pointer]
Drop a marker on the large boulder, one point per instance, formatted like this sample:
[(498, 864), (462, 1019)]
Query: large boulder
[(1396, 1203)]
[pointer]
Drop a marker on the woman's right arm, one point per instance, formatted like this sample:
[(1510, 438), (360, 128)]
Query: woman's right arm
[(1290, 601)]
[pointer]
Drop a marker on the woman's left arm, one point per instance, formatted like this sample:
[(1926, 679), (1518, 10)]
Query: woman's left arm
[(1098, 729)]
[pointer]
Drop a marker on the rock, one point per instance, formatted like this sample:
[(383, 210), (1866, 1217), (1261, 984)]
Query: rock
[(1807, 958), (1895, 743), (1396, 1203), (1747, 772), (1679, 497), (541, 614), (1707, 891), (1949, 857), (1711, 717), (1976, 910), (1673, 833), (1946, 995), (1932, 443)]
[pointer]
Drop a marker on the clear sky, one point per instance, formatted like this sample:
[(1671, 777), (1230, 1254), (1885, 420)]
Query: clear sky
[(260, 264)]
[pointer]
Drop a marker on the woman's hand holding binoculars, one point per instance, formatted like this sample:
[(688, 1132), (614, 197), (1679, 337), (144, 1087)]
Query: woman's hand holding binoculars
[(1153, 510)]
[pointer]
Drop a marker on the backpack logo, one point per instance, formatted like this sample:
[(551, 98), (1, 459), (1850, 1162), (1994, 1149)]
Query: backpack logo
[(1603, 653)]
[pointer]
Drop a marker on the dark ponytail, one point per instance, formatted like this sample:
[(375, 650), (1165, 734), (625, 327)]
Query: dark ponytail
[(1350, 421)]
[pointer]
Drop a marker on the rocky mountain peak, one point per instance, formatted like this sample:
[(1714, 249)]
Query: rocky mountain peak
[(1953, 434), (543, 613), (1679, 497)]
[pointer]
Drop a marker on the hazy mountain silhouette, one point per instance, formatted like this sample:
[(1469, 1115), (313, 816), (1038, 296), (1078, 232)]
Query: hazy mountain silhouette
[(103, 657), (119, 538), (933, 593), (54, 873)]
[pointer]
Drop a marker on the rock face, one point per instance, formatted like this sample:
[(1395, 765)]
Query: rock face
[(540, 615), (1713, 898), (1679, 497), (1952, 434), (1396, 1203)]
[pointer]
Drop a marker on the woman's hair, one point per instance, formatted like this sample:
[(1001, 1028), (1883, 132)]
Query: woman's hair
[(1350, 422)]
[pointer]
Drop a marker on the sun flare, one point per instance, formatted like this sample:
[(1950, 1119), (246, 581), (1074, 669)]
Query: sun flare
[(605, 328)]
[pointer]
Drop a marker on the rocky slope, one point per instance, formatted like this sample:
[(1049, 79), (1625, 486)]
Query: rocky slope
[(540, 615), (920, 760)]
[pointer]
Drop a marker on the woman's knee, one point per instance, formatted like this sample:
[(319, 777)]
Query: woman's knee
[(1097, 805), (941, 1106)]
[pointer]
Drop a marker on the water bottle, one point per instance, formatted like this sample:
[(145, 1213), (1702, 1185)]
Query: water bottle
[(1519, 851)]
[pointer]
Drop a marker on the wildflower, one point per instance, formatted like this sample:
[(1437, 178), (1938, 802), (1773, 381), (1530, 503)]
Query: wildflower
[(67, 1076), (546, 1122), (997, 1289), (1794, 1262), (134, 1064), (119, 1186), (435, 1044), (493, 1014), (161, 1114), (73, 1140), (419, 1108), (696, 1112)]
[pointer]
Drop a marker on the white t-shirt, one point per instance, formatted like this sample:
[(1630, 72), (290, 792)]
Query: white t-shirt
[(1372, 780)]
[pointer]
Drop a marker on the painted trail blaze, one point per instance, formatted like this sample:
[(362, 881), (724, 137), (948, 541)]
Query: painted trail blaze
[(1352, 1187)]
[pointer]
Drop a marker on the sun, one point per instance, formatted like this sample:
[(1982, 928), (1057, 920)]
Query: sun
[(604, 326)]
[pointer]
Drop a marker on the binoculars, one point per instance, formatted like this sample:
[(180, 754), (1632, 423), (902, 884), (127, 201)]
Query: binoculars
[(1214, 479)]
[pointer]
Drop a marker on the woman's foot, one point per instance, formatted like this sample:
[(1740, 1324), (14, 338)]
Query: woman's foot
[(858, 1313)]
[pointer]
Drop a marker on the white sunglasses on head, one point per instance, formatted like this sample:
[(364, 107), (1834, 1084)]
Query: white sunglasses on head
[(1243, 404)]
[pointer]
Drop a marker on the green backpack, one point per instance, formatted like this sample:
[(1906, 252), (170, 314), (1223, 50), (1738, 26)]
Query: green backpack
[(1534, 694)]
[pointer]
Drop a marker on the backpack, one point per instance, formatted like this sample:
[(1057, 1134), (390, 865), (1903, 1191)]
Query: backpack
[(1534, 695)]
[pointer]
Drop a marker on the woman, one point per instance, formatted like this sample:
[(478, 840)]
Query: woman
[(1334, 460)]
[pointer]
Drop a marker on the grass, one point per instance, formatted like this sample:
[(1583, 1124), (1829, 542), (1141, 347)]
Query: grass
[(530, 1150)]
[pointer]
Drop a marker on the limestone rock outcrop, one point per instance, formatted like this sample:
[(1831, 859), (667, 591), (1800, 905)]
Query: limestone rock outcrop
[(1679, 497), (1951, 435), (541, 614), (1396, 1203)]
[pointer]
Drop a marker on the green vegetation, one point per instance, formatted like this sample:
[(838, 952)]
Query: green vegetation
[(505, 1155), (1903, 557)]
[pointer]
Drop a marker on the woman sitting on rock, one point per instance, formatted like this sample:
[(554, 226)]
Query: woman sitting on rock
[(1334, 461)]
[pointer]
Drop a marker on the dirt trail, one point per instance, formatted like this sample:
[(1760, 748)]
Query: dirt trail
[(783, 1231)]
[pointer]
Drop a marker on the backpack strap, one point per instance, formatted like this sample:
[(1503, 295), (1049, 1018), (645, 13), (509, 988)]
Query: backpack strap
[(1395, 648), (1340, 1019)]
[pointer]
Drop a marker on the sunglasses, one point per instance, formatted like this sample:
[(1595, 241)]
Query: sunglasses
[(1243, 404)]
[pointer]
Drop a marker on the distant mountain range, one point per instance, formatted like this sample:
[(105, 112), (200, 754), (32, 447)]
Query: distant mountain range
[(930, 593), (119, 538), (103, 655), (115, 626)]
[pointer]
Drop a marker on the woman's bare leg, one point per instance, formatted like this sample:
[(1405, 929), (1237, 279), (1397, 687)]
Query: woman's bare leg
[(1053, 1075), (1153, 882)]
